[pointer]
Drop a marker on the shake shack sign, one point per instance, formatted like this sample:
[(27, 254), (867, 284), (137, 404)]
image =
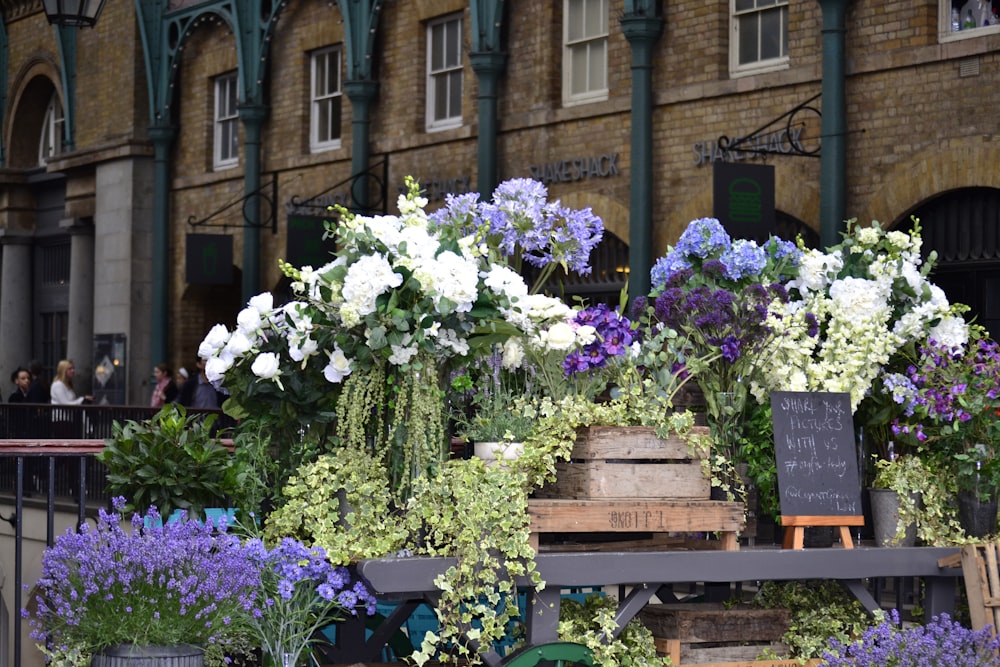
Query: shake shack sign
[(784, 141), (576, 169)]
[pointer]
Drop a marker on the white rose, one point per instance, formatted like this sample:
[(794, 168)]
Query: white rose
[(263, 302), (560, 336), (266, 365), (238, 344), (300, 350), (249, 320), (214, 341), (216, 367), (338, 367)]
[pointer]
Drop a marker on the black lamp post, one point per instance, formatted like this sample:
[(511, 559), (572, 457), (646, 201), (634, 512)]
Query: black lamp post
[(78, 13)]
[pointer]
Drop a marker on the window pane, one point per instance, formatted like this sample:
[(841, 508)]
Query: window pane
[(333, 72), (748, 38), (334, 111), (770, 34), (455, 94), (594, 17), (323, 121), (437, 47), (743, 5), (453, 44), (231, 97), (574, 20), (597, 66), (578, 60), (322, 77), (440, 97)]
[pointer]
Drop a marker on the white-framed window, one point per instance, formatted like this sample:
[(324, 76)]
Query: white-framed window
[(444, 73), (51, 142), (760, 35), (585, 51), (962, 19), (326, 100), (227, 123)]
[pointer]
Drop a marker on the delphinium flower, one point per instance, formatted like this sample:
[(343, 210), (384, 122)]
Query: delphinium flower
[(941, 642), (301, 591), (151, 585)]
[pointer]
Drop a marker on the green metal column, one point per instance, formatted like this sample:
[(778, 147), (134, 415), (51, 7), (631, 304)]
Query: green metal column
[(362, 94), (833, 157), (488, 66), (162, 137), (642, 28), (360, 86), (253, 117), (488, 62)]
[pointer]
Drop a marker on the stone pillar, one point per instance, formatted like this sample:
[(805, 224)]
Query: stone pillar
[(16, 298), (80, 336)]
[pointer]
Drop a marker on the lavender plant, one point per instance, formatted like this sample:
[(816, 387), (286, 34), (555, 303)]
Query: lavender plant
[(300, 592), (183, 583), (942, 642)]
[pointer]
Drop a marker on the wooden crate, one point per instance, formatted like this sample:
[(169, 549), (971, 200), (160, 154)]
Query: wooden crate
[(630, 462), (709, 634), (981, 573), (636, 515)]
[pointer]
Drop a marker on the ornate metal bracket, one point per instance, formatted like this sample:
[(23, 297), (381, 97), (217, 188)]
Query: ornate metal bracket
[(759, 141), (12, 519), (377, 176), (270, 219)]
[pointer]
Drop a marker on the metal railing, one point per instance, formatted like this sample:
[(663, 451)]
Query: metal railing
[(48, 467)]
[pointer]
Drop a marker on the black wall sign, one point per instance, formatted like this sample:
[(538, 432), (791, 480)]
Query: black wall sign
[(815, 453), (306, 245), (209, 259), (743, 199)]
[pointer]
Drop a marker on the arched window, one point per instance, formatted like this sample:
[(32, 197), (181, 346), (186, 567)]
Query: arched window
[(51, 141)]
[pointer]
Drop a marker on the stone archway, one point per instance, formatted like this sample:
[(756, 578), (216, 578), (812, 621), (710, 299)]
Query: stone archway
[(33, 87)]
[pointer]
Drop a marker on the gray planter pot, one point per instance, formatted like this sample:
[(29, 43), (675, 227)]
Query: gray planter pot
[(129, 655), (885, 519)]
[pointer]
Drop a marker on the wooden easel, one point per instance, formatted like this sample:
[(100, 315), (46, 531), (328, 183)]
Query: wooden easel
[(795, 528)]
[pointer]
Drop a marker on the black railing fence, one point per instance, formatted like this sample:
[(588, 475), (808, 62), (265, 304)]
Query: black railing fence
[(48, 471)]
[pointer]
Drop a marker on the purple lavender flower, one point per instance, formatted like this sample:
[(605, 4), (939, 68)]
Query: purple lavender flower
[(940, 642)]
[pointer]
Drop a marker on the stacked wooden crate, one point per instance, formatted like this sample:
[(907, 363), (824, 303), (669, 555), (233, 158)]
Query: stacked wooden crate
[(709, 635), (624, 480)]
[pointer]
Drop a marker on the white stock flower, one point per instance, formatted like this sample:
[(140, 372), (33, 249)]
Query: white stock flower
[(214, 341), (506, 281), (585, 334), (338, 367), (266, 366), (868, 236)]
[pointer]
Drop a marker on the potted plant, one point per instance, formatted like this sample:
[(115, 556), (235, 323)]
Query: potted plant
[(895, 498), (181, 585), (172, 462), (951, 395)]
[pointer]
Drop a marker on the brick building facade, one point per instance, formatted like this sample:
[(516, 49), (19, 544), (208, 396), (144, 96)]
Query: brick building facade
[(95, 237)]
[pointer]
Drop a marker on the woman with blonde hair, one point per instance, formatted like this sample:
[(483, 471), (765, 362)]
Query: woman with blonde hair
[(61, 391)]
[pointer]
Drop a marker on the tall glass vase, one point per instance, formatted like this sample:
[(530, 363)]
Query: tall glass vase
[(725, 421)]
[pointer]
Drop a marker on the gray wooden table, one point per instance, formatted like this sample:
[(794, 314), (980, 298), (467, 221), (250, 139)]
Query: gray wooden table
[(411, 580)]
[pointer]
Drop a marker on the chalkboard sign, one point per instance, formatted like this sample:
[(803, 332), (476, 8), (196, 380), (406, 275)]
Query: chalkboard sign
[(815, 454)]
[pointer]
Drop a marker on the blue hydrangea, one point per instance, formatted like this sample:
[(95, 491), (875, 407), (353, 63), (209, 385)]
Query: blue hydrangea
[(744, 259)]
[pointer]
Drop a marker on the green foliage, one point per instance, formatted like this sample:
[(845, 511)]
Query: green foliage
[(171, 461), (342, 503), (820, 610), (593, 621), (756, 449), (477, 514)]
